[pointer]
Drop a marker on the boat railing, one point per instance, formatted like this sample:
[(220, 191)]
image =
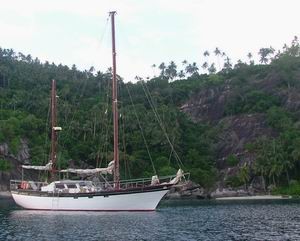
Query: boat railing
[(101, 186), (142, 182), (29, 185)]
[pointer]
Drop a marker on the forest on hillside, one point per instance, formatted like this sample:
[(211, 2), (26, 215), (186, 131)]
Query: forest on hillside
[(155, 135)]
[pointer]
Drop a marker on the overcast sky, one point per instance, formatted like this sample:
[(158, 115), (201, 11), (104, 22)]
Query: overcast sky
[(148, 31)]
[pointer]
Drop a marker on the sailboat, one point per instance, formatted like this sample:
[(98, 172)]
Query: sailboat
[(83, 195)]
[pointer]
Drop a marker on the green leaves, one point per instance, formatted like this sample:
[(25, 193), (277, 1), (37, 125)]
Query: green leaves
[(4, 165), (252, 102)]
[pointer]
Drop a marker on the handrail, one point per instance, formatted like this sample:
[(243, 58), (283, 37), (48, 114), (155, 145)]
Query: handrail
[(124, 184)]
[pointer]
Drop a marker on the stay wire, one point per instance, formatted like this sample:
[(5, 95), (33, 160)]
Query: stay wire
[(145, 142), (149, 98), (82, 88)]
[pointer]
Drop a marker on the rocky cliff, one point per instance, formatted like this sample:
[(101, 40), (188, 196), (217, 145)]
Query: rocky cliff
[(15, 161), (218, 106)]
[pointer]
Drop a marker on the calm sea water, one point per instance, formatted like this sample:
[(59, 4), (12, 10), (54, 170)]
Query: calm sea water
[(180, 220)]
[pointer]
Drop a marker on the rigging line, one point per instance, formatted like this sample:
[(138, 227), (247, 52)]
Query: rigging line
[(46, 134), (107, 124), (126, 160), (104, 31), (149, 98), (145, 142), (123, 119), (101, 38), (74, 104)]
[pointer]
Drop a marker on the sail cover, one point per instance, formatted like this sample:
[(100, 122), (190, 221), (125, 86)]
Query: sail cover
[(107, 170), (47, 167), (178, 177)]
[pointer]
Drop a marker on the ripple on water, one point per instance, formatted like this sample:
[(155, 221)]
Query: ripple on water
[(173, 221)]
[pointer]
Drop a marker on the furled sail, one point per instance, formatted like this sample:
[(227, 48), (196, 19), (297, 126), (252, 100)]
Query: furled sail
[(178, 177), (47, 167), (107, 170)]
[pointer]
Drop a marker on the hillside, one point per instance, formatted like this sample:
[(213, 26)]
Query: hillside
[(233, 128)]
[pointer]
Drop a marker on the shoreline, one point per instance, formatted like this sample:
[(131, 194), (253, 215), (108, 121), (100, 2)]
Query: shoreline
[(5, 194), (256, 197)]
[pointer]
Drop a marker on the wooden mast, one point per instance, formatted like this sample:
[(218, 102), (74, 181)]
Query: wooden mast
[(53, 156), (115, 105)]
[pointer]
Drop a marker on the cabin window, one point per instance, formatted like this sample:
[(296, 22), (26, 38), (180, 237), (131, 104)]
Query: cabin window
[(71, 186), (60, 186)]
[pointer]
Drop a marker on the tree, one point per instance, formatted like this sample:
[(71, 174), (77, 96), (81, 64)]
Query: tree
[(212, 69), (153, 66), (244, 175), (181, 74), (171, 71), (192, 69), (227, 64), (204, 66), (264, 54), (162, 68), (250, 56), (206, 53), (217, 52)]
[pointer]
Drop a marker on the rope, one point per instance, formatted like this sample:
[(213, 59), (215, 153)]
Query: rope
[(139, 124), (82, 88), (123, 120), (46, 133)]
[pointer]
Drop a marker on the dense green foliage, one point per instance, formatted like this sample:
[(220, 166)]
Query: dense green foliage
[(84, 113), (154, 120), (4, 165)]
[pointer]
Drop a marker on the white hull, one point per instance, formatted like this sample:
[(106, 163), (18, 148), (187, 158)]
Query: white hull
[(143, 201)]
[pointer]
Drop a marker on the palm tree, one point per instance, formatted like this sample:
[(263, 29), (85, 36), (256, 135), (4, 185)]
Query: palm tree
[(171, 71), (204, 66), (264, 54), (250, 56), (192, 69), (227, 64), (181, 74), (162, 68), (212, 69), (206, 53), (217, 54), (260, 169), (244, 175), (153, 66)]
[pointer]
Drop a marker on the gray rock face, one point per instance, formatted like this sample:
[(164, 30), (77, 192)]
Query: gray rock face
[(23, 153), (15, 161), (3, 149), (236, 132), (207, 105), (189, 190)]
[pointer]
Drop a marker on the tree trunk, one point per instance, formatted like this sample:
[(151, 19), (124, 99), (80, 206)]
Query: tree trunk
[(287, 176), (274, 180), (264, 183)]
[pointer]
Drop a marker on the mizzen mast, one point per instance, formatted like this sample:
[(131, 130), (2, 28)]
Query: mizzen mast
[(53, 156), (115, 105), (54, 129)]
